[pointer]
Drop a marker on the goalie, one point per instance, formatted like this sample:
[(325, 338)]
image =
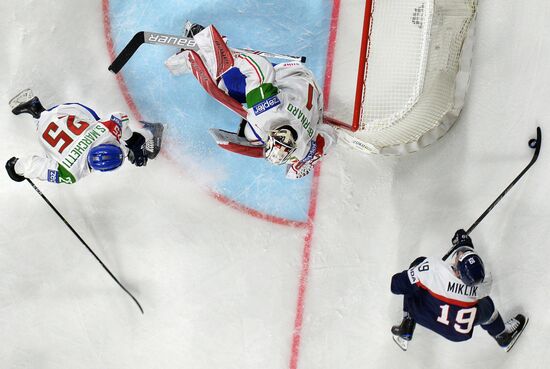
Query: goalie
[(284, 107), (78, 142)]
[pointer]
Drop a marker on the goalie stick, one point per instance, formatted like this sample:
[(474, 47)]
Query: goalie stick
[(186, 43), (534, 143)]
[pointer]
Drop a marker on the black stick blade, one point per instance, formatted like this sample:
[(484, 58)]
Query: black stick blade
[(538, 144), (127, 52)]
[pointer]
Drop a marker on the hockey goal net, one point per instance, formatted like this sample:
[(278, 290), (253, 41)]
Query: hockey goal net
[(413, 72)]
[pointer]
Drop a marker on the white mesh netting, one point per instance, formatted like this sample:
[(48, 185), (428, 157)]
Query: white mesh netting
[(418, 70)]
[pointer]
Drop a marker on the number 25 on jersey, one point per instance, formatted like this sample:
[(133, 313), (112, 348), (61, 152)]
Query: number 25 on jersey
[(53, 135)]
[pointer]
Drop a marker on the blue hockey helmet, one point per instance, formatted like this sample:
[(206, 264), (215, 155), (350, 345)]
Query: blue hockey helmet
[(105, 157), (470, 267)]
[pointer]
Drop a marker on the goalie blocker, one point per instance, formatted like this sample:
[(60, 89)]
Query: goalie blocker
[(233, 142)]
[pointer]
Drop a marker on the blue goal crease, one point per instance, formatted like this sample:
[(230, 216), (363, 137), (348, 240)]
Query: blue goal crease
[(291, 27)]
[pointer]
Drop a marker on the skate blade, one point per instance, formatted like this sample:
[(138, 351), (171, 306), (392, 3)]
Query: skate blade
[(514, 340), (21, 97), (154, 145), (403, 344), (157, 129)]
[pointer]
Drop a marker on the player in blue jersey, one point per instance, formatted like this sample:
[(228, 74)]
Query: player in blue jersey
[(451, 297)]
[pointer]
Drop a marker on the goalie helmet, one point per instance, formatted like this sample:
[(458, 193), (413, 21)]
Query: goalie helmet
[(470, 267), (105, 158), (280, 145)]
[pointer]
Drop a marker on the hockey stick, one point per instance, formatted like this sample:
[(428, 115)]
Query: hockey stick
[(186, 43), (267, 54), (534, 143), (84, 243)]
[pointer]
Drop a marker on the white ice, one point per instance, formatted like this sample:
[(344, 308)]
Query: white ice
[(220, 288)]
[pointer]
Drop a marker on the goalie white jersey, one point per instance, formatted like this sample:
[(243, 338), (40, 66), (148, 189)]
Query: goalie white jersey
[(282, 95), (67, 133)]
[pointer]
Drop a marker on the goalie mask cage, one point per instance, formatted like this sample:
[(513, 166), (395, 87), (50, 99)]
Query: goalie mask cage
[(413, 73)]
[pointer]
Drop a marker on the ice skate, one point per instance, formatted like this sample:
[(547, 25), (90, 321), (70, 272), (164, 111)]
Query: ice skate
[(514, 328), (153, 146), (26, 102), (403, 332)]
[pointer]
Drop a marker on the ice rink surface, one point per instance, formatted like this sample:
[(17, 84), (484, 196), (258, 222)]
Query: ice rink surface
[(223, 289)]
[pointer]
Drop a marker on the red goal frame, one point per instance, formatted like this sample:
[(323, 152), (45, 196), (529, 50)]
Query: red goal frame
[(361, 71)]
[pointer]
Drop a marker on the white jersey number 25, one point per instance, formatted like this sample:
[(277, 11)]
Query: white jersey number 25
[(52, 135)]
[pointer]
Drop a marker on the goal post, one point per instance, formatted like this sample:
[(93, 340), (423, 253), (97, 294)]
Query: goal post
[(412, 74)]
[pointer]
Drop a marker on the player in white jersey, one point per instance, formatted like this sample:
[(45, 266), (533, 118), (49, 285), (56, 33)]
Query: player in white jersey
[(284, 105), (77, 142), (451, 297)]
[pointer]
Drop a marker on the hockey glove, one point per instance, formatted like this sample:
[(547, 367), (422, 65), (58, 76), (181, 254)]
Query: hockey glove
[(137, 154), (10, 168), (417, 261), (461, 238)]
